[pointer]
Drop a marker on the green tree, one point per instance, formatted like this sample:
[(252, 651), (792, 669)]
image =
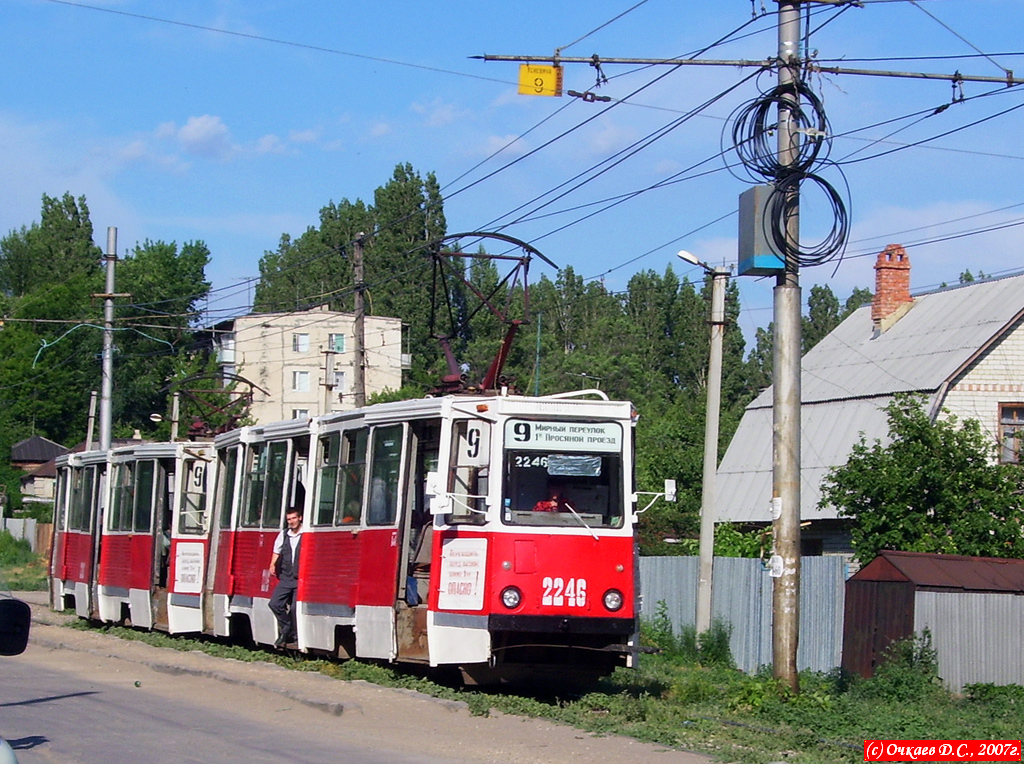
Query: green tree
[(822, 316), (314, 269), (933, 488), (858, 297), (58, 248), (167, 286)]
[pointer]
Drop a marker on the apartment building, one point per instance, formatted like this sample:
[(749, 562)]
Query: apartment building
[(303, 362)]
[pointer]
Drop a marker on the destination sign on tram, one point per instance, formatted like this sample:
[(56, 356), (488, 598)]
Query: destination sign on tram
[(563, 436)]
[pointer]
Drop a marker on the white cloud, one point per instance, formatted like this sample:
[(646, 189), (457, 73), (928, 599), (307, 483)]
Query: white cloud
[(206, 136), (495, 143), (380, 129), (303, 136), (608, 139), (437, 113), (270, 144)]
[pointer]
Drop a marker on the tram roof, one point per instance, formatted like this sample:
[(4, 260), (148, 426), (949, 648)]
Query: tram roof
[(162, 450), (575, 405)]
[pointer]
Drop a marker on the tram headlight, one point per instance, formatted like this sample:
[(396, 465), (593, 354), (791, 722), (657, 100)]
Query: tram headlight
[(613, 600), (511, 597)]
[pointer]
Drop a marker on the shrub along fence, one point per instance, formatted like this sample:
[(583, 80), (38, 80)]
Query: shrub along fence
[(742, 599)]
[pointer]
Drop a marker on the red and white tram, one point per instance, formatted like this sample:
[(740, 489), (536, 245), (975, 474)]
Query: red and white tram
[(260, 473), (133, 542), (81, 483), (431, 535), (492, 533)]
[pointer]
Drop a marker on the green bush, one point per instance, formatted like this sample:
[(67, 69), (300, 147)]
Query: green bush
[(14, 551), (710, 648), (909, 671)]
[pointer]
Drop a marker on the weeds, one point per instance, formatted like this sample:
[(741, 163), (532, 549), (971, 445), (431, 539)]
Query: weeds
[(21, 569), (702, 703)]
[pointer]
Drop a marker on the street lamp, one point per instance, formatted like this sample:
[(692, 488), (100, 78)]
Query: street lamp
[(706, 549)]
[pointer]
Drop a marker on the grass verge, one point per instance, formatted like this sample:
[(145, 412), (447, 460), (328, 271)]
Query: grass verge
[(689, 697), (21, 569)]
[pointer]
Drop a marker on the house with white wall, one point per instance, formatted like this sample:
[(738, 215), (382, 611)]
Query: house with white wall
[(961, 347), (303, 362)]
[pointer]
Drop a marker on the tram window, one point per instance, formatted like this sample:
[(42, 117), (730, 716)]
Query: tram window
[(77, 501), (82, 495), (254, 495), (330, 456), (277, 475), (124, 498), (59, 511), (385, 468), (144, 496), (545, 489), (193, 500), (228, 461), (468, 478), (349, 507)]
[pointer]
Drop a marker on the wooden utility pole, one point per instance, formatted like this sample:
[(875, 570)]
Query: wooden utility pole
[(359, 373)]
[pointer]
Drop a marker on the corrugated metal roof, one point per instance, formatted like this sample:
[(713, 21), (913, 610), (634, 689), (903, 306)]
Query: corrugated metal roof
[(847, 380), (828, 432), (946, 571), (36, 449)]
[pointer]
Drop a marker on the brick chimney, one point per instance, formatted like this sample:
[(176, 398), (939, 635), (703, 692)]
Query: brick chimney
[(892, 287)]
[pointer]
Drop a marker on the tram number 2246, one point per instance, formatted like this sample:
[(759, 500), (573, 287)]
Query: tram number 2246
[(559, 592)]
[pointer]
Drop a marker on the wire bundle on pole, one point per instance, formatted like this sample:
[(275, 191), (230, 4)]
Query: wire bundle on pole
[(753, 130)]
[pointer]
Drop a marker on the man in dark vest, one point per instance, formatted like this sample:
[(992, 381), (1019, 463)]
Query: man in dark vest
[(285, 565)]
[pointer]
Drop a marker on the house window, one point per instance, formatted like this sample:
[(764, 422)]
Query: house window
[(339, 382), (300, 381), (1011, 431), (300, 343), (300, 413), (336, 342)]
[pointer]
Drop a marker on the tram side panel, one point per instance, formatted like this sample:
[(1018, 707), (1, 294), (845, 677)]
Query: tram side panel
[(271, 480), (126, 551)]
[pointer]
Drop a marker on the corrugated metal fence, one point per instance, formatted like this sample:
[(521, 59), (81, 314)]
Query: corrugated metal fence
[(21, 528), (742, 597), (977, 635)]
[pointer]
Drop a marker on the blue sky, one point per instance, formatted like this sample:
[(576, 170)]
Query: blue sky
[(175, 131)]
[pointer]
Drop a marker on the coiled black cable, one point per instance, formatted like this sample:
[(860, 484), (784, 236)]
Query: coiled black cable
[(784, 195), (754, 126)]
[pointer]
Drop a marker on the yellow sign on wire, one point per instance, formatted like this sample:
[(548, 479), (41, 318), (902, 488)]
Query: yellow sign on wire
[(540, 79)]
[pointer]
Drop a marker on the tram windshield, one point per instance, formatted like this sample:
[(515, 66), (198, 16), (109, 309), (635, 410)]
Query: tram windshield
[(563, 474)]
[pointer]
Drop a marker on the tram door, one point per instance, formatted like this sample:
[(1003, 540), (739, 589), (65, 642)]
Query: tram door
[(416, 532), (162, 511), (87, 502), (95, 513)]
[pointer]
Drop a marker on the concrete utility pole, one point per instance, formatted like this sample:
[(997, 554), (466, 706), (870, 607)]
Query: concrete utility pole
[(359, 381), (107, 386), (786, 379), (328, 380), (706, 550)]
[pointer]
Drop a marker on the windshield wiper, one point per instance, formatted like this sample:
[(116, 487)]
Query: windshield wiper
[(581, 520)]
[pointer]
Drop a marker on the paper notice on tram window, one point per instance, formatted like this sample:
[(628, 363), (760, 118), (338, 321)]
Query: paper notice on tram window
[(188, 567), (462, 574)]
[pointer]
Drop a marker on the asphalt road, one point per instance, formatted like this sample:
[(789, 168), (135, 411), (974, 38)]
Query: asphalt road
[(86, 698)]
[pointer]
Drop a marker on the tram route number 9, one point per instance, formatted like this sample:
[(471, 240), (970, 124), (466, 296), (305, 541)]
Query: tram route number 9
[(559, 592)]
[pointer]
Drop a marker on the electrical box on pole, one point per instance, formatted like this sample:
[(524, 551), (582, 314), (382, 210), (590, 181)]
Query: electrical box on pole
[(757, 255)]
